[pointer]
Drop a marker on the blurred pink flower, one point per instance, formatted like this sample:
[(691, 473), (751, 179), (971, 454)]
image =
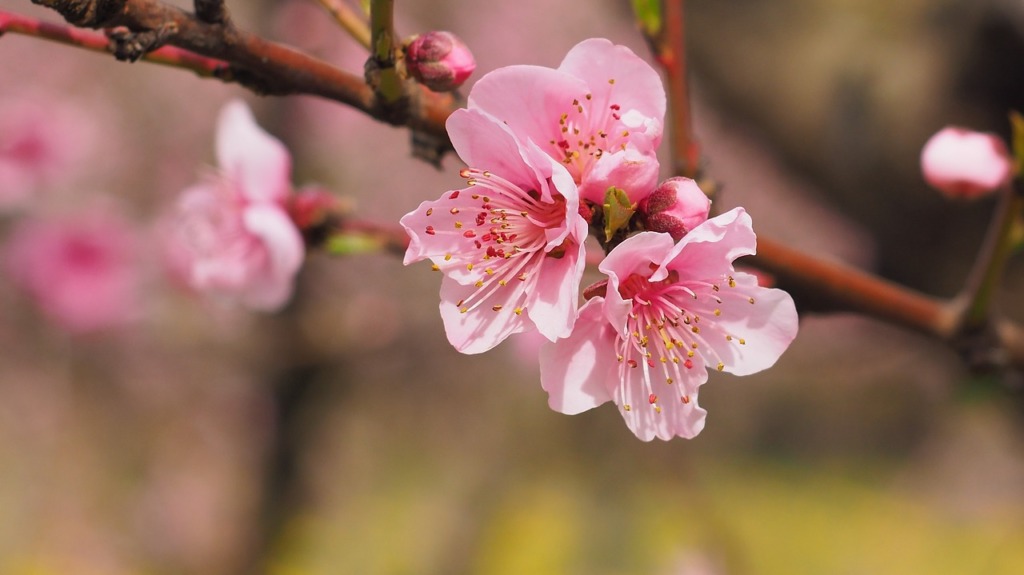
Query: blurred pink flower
[(439, 60), (672, 310), (83, 273), (510, 244), (965, 164), (231, 233), (600, 114), (675, 207), (42, 141)]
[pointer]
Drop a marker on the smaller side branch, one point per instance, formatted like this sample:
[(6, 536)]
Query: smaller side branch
[(348, 19)]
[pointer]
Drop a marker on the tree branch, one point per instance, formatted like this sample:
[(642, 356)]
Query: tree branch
[(261, 65)]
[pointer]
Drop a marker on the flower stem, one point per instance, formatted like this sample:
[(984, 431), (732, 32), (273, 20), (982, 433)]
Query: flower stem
[(348, 19)]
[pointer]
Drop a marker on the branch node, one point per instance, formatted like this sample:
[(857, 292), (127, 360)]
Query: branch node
[(128, 45)]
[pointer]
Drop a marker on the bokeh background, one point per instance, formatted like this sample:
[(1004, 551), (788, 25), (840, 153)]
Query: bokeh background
[(343, 435)]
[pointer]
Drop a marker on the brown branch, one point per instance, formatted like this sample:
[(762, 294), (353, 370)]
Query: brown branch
[(96, 42), (261, 65)]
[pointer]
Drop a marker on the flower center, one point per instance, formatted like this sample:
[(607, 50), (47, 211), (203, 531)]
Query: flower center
[(671, 331), (505, 226), (587, 130)]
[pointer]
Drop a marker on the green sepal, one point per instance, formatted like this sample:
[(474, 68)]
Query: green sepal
[(648, 15), (617, 211)]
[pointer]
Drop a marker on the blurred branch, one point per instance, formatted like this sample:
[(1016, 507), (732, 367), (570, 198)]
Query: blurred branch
[(667, 41), (261, 65), (348, 19), (983, 280)]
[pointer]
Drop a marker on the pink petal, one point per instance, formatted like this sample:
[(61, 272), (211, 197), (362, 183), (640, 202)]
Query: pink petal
[(637, 88), (483, 327), (530, 99), (629, 170), (553, 299), (767, 326), (487, 144), (255, 161), (675, 418), (578, 372), (709, 249), (285, 252)]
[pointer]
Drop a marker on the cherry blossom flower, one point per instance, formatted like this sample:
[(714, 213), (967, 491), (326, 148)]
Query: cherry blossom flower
[(672, 311), (965, 164), (231, 234), (82, 272), (600, 114), (510, 244)]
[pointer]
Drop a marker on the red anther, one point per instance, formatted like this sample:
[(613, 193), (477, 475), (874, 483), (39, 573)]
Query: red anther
[(430, 230), (652, 399)]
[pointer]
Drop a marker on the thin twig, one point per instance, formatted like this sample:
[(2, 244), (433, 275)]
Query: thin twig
[(347, 18)]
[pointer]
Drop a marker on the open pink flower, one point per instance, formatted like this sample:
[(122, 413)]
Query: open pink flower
[(82, 272), (231, 233), (510, 244), (672, 311), (965, 164), (600, 114)]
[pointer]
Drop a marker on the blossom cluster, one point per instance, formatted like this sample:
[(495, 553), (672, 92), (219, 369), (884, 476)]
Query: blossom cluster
[(557, 155)]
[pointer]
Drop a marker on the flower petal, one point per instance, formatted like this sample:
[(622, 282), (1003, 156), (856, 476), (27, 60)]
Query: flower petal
[(285, 252), (616, 75), (255, 161), (485, 325), (578, 372)]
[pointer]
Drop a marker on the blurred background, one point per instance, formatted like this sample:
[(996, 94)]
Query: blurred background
[(146, 429)]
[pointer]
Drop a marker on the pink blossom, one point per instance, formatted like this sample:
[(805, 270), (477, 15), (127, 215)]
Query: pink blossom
[(600, 114), (675, 207), (83, 273), (42, 142), (439, 60), (965, 164), (672, 311), (510, 244), (231, 233)]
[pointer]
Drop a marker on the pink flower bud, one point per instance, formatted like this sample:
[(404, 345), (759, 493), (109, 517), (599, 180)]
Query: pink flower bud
[(675, 207), (965, 164), (439, 60)]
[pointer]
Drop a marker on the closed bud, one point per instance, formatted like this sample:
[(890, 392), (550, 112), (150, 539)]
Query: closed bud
[(675, 207), (965, 164), (439, 60)]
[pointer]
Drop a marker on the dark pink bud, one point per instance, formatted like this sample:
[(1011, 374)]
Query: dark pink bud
[(675, 207), (439, 60)]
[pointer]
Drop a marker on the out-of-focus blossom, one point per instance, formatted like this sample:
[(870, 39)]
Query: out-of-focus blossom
[(231, 233), (675, 207), (510, 244), (83, 273), (439, 60), (965, 164), (600, 114), (672, 311), (43, 141)]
